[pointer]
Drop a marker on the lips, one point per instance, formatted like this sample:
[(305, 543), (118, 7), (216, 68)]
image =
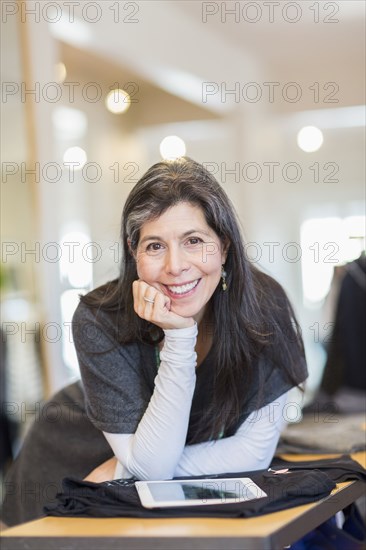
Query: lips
[(181, 290)]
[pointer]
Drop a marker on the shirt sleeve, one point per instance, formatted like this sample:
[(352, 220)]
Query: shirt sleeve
[(251, 448), (154, 450)]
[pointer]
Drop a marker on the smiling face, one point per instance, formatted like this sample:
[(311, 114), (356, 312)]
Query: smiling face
[(181, 256)]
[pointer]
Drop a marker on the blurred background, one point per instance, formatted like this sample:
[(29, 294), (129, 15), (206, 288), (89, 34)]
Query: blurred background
[(269, 96)]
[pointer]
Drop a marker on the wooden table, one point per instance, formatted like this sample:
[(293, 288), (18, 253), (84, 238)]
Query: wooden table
[(271, 531)]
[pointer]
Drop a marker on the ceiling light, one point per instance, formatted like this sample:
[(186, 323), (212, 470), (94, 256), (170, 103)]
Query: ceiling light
[(118, 101), (172, 147), (75, 155), (310, 139)]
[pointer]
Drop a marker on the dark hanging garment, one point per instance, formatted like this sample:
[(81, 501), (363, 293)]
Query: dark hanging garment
[(287, 484), (345, 366)]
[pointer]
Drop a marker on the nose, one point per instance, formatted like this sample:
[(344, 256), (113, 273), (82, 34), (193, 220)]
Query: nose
[(175, 261)]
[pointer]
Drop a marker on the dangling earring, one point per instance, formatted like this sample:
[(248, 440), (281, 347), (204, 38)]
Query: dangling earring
[(223, 277)]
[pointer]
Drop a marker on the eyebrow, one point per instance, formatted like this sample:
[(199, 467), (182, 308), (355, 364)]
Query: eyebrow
[(185, 234)]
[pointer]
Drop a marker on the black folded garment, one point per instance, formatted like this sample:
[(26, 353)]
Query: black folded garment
[(303, 482)]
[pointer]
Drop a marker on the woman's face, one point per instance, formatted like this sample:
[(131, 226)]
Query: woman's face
[(181, 256)]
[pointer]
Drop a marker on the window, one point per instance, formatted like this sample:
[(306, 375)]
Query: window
[(326, 243)]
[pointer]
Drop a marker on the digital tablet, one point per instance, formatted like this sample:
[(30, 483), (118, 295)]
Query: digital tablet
[(159, 494)]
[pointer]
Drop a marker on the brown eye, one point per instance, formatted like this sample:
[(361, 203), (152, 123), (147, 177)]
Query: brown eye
[(153, 248), (194, 240)]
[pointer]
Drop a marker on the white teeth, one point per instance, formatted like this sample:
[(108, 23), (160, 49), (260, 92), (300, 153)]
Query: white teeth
[(184, 288)]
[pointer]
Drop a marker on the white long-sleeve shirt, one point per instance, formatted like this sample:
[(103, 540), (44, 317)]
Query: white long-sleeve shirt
[(157, 449)]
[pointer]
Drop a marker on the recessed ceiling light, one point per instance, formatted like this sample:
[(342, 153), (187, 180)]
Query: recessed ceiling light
[(310, 139), (172, 147), (118, 101), (75, 155)]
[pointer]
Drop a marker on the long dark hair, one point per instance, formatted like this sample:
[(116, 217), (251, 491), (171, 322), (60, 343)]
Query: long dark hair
[(252, 318)]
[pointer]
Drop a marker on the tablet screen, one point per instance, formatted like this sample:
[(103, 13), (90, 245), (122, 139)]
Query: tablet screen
[(204, 491), (188, 491)]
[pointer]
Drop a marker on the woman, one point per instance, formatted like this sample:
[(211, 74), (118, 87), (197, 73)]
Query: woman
[(186, 358)]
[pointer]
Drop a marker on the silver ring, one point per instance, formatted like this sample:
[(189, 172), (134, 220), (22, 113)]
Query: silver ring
[(149, 300)]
